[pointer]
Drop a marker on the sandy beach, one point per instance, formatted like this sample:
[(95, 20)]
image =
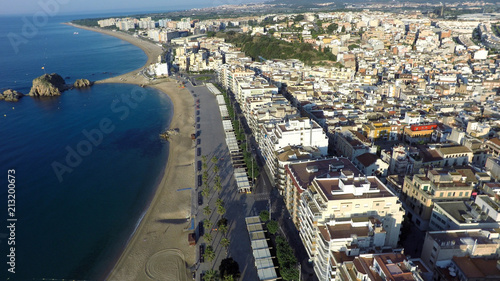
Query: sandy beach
[(159, 249)]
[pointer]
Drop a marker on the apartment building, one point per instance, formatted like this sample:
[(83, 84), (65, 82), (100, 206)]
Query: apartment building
[(349, 213), (422, 190), (441, 246), (376, 267), (292, 132)]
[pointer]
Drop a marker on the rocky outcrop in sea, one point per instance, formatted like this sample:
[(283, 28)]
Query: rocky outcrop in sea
[(48, 85), (82, 83), (10, 95)]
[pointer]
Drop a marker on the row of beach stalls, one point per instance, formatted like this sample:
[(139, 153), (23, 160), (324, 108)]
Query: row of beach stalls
[(240, 174), (260, 249)]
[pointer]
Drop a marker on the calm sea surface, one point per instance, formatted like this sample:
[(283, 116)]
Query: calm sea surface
[(86, 163)]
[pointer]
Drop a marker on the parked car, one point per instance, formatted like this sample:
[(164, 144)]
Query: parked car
[(202, 251), (200, 198)]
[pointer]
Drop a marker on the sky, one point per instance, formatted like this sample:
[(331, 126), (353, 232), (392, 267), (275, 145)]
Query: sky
[(32, 7)]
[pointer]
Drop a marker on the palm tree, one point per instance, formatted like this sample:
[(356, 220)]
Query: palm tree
[(216, 169), (207, 211), (205, 191), (219, 202), (207, 223), (214, 159), (223, 228), (204, 165), (218, 186), (228, 278), (205, 175), (225, 242), (217, 179), (204, 158), (208, 237), (209, 254), (221, 210), (211, 275)]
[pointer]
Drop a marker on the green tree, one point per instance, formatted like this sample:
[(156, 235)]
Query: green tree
[(299, 18), (204, 158), (218, 186), (286, 259), (272, 226), (264, 215), (219, 202), (216, 169), (207, 211), (221, 210), (208, 237), (343, 29), (229, 267), (211, 275), (209, 254), (205, 191), (332, 28), (215, 159), (228, 278), (225, 242), (224, 229), (352, 46), (204, 166), (207, 223)]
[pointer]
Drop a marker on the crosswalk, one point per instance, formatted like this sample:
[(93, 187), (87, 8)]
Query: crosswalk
[(260, 196)]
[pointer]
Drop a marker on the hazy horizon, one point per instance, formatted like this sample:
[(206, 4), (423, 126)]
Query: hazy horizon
[(67, 7)]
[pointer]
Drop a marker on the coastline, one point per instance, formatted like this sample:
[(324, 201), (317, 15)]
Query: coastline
[(159, 249)]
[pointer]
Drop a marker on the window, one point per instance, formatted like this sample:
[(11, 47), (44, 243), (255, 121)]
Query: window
[(460, 194), (356, 206), (441, 194), (449, 194)]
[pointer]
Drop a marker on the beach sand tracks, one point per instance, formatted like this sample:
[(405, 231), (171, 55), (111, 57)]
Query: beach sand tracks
[(167, 264)]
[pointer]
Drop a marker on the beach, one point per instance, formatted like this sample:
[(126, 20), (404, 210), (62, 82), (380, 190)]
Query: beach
[(159, 249)]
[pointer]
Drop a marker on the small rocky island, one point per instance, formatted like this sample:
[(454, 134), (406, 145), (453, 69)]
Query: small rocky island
[(10, 95), (82, 83), (49, 85)]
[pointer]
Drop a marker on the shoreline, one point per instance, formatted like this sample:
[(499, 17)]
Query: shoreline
[(159, 238)]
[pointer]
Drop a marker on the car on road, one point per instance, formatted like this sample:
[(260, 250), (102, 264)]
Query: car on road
[(201, 231), (202, 252), (197, 112), (199, 180), (198, 119), (198, 151), (192, 92), (199, 165), (198, 141), (197, 126), (200, 199)]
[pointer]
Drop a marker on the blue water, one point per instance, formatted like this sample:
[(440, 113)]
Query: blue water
[(86, 163)]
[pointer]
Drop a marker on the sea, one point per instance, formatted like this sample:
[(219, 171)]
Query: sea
[(83, 166)]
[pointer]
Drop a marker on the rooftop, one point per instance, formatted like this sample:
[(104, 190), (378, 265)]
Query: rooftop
[(478, 267), (303, 175)]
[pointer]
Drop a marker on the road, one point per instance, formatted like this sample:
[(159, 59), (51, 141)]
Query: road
[(238, 206)]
